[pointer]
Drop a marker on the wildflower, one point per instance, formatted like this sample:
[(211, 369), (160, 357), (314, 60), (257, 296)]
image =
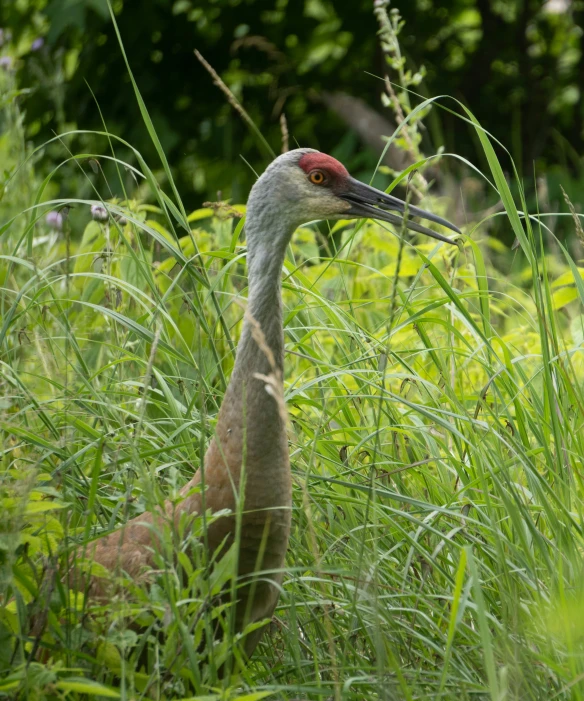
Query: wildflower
[(37, 44), (54, 220), (5, 62), (99, 213)]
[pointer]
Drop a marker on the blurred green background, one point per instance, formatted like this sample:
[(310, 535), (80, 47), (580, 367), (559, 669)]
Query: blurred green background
[(516, 63)]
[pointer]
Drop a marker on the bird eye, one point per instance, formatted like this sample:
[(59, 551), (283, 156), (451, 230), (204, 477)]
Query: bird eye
[(317, 177)]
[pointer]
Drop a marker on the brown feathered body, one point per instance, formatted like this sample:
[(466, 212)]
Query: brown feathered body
[(265, 521)]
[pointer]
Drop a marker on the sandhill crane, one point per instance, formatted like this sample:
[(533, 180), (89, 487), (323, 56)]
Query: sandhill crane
[(250, 434)]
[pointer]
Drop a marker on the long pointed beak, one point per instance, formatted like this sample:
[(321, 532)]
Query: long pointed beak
[(370, 203)]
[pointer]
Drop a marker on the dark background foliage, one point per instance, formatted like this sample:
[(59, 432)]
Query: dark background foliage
[(516, 63)]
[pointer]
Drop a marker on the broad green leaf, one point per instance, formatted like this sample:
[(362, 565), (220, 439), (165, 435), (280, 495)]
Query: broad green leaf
[(86, 686)]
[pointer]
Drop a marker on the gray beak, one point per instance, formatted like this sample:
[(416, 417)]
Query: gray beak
[(370, 203)]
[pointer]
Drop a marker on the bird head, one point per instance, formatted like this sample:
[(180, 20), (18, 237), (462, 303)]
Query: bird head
[(306, 185)]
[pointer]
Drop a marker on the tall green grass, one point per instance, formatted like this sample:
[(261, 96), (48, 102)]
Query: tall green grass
[(436, 413)]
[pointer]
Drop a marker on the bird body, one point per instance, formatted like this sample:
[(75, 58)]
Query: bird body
[(248, 454)]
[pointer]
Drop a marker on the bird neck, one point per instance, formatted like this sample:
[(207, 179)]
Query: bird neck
[(261, 347), (254, 399), (252, 420)]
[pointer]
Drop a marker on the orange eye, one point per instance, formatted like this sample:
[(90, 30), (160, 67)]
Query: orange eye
[(317, 177)]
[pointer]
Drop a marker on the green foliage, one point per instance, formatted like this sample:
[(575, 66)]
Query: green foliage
[(518, 65), (437, 520), (436, 406)]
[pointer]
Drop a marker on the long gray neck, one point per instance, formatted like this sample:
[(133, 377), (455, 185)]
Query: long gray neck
[(253, 406), (266, 250)]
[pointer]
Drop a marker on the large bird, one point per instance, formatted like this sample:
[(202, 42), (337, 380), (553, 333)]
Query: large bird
[(250, 441)]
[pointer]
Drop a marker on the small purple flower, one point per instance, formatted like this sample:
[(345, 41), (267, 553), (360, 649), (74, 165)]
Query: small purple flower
[(99, 213), (6, 62), (54, 220), (37, 44)]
